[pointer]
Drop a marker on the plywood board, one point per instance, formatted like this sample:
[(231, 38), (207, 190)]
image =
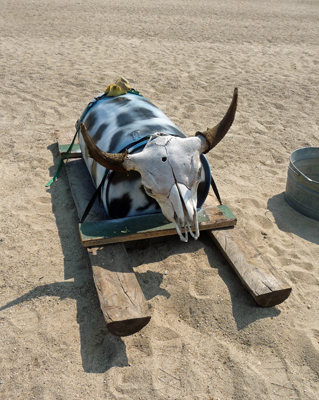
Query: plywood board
[(149, 226)]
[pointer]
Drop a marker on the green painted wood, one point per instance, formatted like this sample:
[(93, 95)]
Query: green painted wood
[(63, 148), (227, 212), (130, 226)]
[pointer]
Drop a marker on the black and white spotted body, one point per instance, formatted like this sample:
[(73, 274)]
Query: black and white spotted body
[(127, 133), (127, 122)]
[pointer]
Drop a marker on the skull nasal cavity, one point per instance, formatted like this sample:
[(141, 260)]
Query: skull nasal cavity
[(164, 159)]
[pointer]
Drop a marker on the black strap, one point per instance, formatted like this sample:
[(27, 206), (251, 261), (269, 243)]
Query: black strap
[(215, 190), (98, 193), (93, 198)]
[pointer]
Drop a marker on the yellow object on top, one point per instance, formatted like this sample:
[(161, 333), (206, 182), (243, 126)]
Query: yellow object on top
[(121, 86)]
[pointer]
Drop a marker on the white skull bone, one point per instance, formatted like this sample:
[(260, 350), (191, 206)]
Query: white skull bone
[(170, 169)]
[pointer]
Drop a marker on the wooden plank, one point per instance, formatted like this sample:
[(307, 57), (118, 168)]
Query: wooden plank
[(122, 301), (148, 226), (258, 276)]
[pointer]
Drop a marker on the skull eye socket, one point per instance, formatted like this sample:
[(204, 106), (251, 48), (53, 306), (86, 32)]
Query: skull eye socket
[(164, 159)]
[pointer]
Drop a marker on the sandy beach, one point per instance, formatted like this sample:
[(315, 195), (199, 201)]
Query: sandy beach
[(207, 338)]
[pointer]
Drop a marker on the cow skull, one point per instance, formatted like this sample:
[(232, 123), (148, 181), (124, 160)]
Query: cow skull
[(170, 169)]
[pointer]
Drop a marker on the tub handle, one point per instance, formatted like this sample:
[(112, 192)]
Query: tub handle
[(298, 173), (292, 170)]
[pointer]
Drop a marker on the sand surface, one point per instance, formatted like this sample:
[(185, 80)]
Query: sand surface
[(207, 339)]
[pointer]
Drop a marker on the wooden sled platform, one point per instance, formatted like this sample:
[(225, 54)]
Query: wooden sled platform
[(122, 301)]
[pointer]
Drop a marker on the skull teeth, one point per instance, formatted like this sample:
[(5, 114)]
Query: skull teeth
[(188, 228)]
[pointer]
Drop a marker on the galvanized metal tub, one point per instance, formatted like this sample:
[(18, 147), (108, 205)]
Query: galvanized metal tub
[(302, 190)]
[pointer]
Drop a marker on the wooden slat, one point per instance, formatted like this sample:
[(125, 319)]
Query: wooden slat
[(259, 278), (148, 226)]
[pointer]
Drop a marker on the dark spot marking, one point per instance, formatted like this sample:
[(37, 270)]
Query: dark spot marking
[(119, 101), (115, 139), (153, 128), (123, 177), (120, 207), (143, 113), (98, 134), (148, 102), (150, 202), (164, 159), (176, 131), (124, 118), (90, 119)]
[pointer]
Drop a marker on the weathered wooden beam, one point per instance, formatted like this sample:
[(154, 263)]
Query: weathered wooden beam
[(258, 276), (122, 301)]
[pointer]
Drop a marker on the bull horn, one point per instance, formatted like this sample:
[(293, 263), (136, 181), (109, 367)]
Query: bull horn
[(215, 135), (107, 160)]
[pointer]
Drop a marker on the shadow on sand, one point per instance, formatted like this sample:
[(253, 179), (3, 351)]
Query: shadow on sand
[(291, 221), (245, 309)]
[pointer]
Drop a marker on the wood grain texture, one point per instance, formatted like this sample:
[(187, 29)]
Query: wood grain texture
[(256, 273), (258, 276), (122, 301)]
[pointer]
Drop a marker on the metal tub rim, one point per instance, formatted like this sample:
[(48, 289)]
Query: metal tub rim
[(302, 191)]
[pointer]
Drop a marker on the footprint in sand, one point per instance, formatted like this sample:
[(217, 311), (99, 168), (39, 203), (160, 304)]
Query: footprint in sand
[(204, 284), (43, 200)]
